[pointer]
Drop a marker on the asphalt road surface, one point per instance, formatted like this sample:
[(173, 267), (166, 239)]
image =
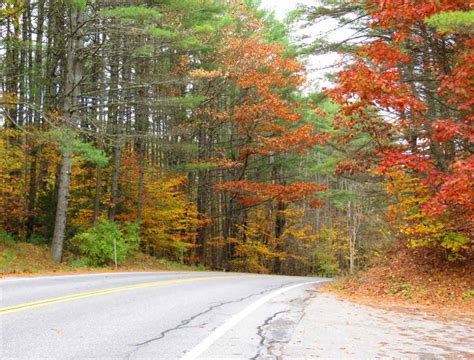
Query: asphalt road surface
[(176, 315)]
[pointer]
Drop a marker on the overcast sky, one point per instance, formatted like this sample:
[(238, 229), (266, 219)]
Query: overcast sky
[(317, 66), (281, 7)]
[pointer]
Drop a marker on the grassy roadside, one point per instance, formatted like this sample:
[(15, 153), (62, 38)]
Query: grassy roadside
[(24, 259), (404, 281)]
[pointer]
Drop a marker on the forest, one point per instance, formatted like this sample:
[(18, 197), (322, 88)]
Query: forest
[(186, 130)]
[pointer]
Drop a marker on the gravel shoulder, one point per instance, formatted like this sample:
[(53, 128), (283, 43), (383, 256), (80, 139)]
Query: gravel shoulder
[(334, 328)]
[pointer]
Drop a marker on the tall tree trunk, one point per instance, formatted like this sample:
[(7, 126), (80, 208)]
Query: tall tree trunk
[(71, 91), (115, 182), (10, 82), (142, 112), (115, 126), (202, 197), (36, 90), (62, 205), (98, 190), (30, 220), (141, 179)]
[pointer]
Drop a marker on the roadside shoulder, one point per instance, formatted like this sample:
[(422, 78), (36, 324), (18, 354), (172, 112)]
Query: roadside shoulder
[(336, 328)]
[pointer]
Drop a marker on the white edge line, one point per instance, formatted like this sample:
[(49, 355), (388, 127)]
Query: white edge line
[(234, 320)]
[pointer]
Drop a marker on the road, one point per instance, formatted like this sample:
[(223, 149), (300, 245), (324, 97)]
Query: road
[(171, 315)]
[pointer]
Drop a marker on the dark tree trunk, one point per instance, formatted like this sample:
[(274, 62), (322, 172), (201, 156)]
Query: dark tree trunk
[(98, 190), (115, 182)]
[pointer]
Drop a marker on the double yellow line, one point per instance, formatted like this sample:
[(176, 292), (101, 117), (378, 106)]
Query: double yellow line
[(57, 300)]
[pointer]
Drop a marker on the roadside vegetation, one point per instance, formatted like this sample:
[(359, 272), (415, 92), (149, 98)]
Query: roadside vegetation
[(24, 258), (413, 281), (184, 134)]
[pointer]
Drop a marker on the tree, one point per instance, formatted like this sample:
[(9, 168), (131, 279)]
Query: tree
[(405, 89)]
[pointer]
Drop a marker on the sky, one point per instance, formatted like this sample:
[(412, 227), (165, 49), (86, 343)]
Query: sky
[(280, 7), (317, 66)]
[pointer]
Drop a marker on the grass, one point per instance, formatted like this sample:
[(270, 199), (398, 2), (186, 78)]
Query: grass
[(468, 295), (22, 258)]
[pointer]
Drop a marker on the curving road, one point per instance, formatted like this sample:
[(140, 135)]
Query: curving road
[(148, 315)]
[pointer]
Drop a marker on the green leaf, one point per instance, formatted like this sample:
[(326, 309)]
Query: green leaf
[(90, 153), (139, 14), (144, 51), (191, 167), (453, 21), (160, 33), (78, 4), (190, 43)]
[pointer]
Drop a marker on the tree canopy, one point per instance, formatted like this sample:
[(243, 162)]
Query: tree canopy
[(192, 123)]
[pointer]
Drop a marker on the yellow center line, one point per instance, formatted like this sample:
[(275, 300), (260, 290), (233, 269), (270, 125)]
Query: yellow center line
[(57, 300)]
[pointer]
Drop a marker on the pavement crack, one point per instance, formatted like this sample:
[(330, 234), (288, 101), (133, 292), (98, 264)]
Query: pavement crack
[(184, 323), (261, 333), (267, 343)]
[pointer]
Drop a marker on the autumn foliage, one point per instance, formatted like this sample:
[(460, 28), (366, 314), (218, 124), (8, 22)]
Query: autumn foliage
[(193, 111), (269, 123), (410, 88), (266, 117), (192, 120)]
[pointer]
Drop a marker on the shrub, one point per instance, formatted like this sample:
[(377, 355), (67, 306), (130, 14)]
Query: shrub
[(97, 243), (132, 236), (7, 261), (6, 238), (468, 295), (78, 262), (37, 239), (326, 264)]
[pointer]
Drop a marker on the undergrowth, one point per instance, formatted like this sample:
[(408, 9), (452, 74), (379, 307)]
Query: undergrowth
[(27, 258), (404, 276)]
